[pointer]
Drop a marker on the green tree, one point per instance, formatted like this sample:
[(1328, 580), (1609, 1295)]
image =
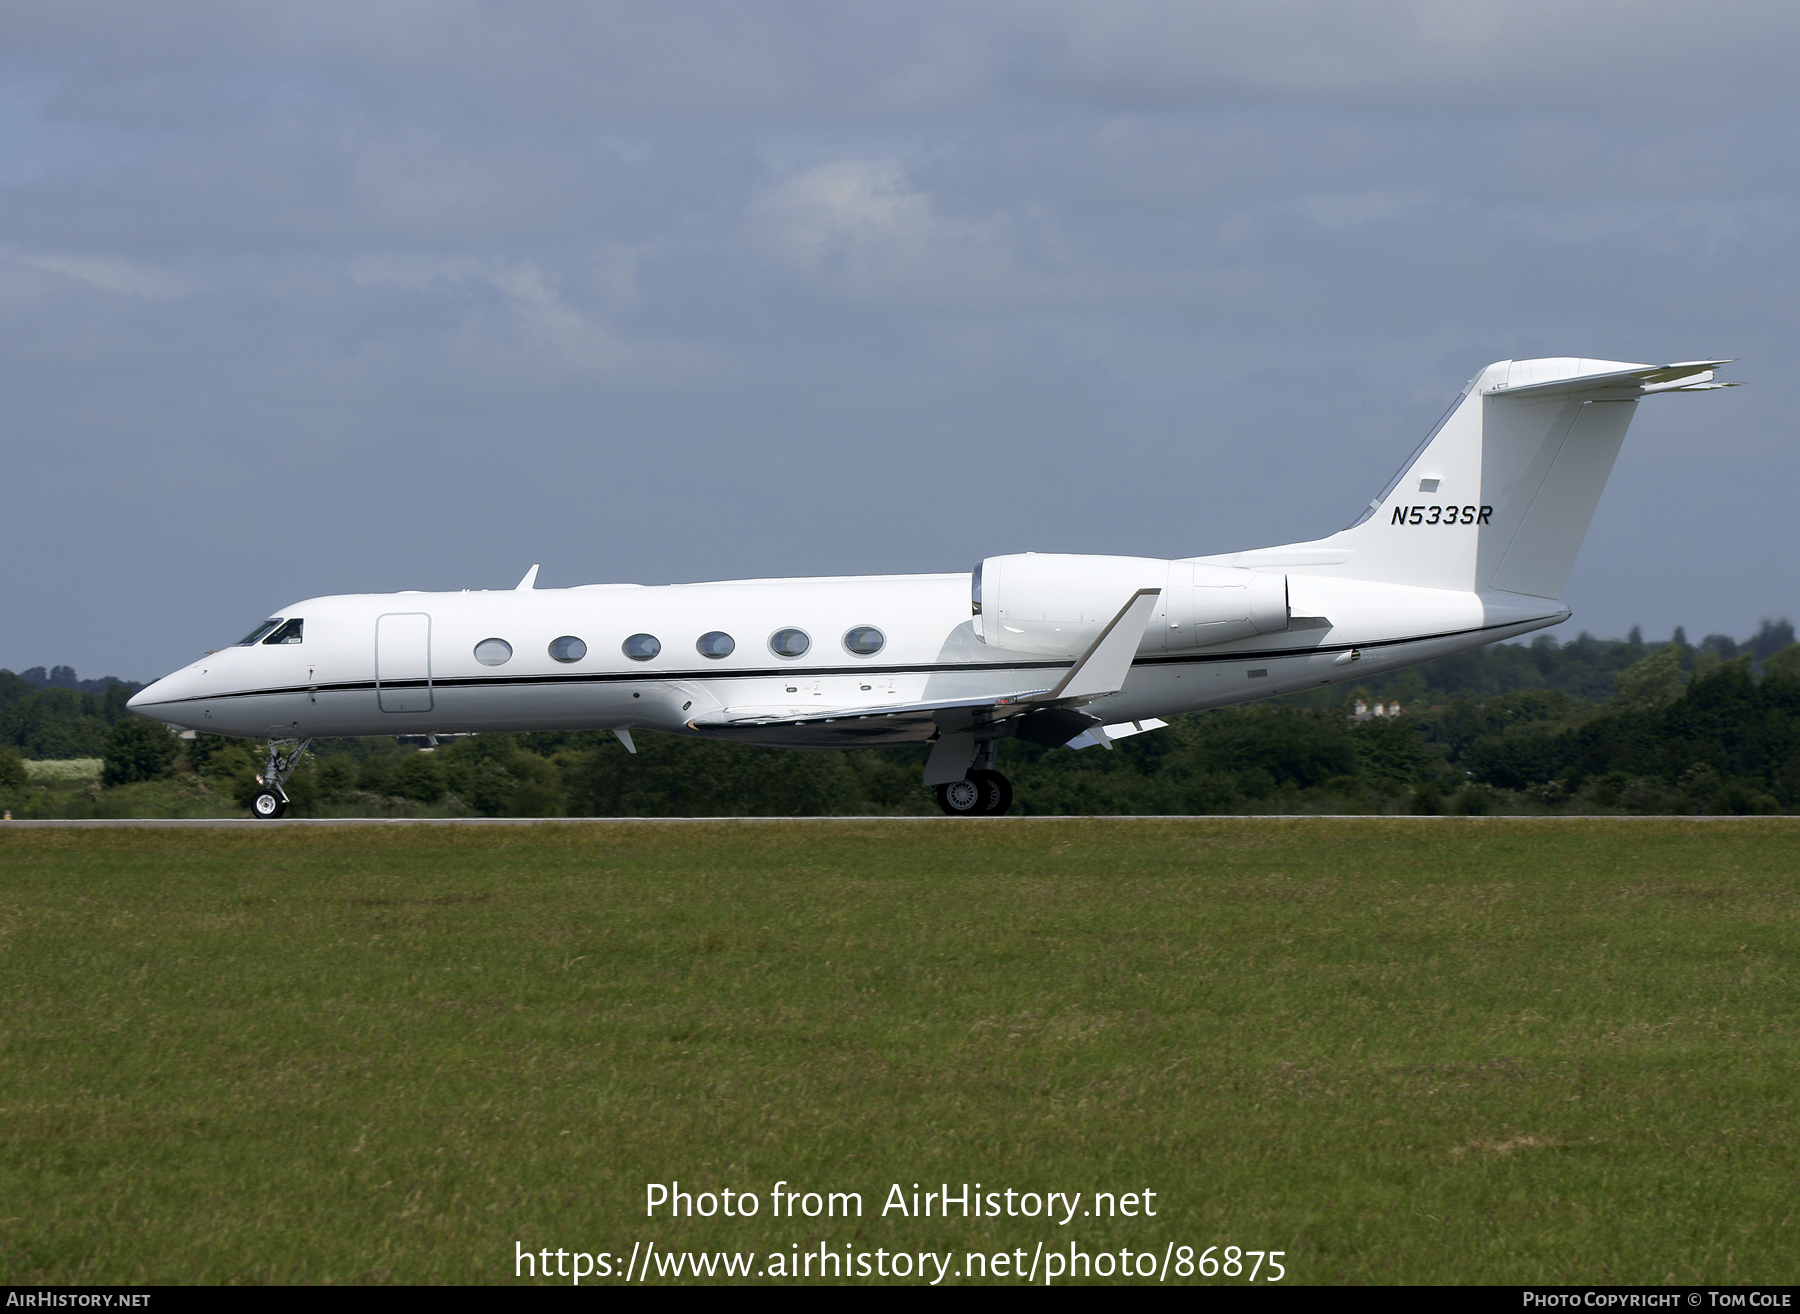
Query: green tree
[(537, 789), (201, 749), (1391, 754), (419, 777), (136, 750), (1770, 638), (1784, 663), (335, 775), (54, 723), (1652, 682), (228, 764), (477, 772), (12, 771), (376, 775)]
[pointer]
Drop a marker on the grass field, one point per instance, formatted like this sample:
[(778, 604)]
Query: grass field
[(1397, 1051)]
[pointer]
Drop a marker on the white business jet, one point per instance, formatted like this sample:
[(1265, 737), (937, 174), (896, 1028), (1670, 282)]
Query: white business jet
[(1472, 542)]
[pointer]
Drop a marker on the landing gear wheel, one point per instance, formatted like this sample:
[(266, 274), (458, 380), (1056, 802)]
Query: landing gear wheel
[(284, 755), (978, 794), (962, 798), (996, 792)]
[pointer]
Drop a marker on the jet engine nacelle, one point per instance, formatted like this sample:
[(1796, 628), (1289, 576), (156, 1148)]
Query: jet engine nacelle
[(1056, 604)]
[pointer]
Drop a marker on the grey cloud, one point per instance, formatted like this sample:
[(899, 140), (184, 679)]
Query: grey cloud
[(340, 183), (1466, 58), (525, 66), (557, 66), (421, 294)]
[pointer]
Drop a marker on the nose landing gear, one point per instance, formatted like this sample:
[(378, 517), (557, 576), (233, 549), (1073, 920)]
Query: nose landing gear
[(272, 800), (979, 794)]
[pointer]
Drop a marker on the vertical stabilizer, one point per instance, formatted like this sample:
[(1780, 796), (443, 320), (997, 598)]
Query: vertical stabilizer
[(1500, 494), (1544, 463)]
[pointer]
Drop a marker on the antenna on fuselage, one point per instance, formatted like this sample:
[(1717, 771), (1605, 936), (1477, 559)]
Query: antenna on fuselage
[(530, 580)]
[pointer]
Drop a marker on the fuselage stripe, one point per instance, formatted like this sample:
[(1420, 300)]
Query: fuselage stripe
[(813, 672)]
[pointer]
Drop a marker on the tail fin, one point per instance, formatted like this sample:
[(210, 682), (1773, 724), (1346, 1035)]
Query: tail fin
[(1500, 494)]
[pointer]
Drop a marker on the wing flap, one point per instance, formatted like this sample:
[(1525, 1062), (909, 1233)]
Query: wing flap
[(750, 717), (1103, 735)]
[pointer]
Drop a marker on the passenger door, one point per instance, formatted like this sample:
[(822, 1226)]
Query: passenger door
[(403, 662)]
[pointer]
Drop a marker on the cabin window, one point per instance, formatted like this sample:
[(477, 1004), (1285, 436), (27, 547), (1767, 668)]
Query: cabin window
[(493, 652), (642, 647), (568, 648), (864, 641), (288, 633), (257, 633), (716, 643), (789, 643)]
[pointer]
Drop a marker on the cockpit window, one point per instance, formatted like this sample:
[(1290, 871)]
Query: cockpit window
[(289, 633), (257, 633)]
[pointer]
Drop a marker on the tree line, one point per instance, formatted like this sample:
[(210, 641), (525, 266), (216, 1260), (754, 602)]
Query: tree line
[(1587, 725)]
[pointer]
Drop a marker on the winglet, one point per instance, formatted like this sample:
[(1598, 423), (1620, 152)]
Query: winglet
[(529, 582), (1104, 666)]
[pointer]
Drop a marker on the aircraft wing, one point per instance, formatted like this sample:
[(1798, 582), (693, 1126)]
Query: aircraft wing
[(1099, 671)]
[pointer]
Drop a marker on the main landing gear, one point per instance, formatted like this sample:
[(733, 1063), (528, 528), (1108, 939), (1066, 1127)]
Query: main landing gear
[(978, 794), (272, 800), (982, 791)]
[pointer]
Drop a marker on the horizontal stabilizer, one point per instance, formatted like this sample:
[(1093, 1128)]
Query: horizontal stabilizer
[(1689, 376)]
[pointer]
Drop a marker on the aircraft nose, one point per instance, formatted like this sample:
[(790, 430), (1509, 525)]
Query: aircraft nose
[(157, 691), (168, 700)]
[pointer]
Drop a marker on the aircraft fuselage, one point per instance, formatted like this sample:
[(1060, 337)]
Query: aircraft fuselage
[(407, 663)]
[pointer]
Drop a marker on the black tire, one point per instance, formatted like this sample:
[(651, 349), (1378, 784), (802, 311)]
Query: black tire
[(962, 798), (268, 805), (996, 792)]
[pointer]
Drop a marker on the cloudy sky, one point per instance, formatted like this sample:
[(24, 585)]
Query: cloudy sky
[(343, 297)]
